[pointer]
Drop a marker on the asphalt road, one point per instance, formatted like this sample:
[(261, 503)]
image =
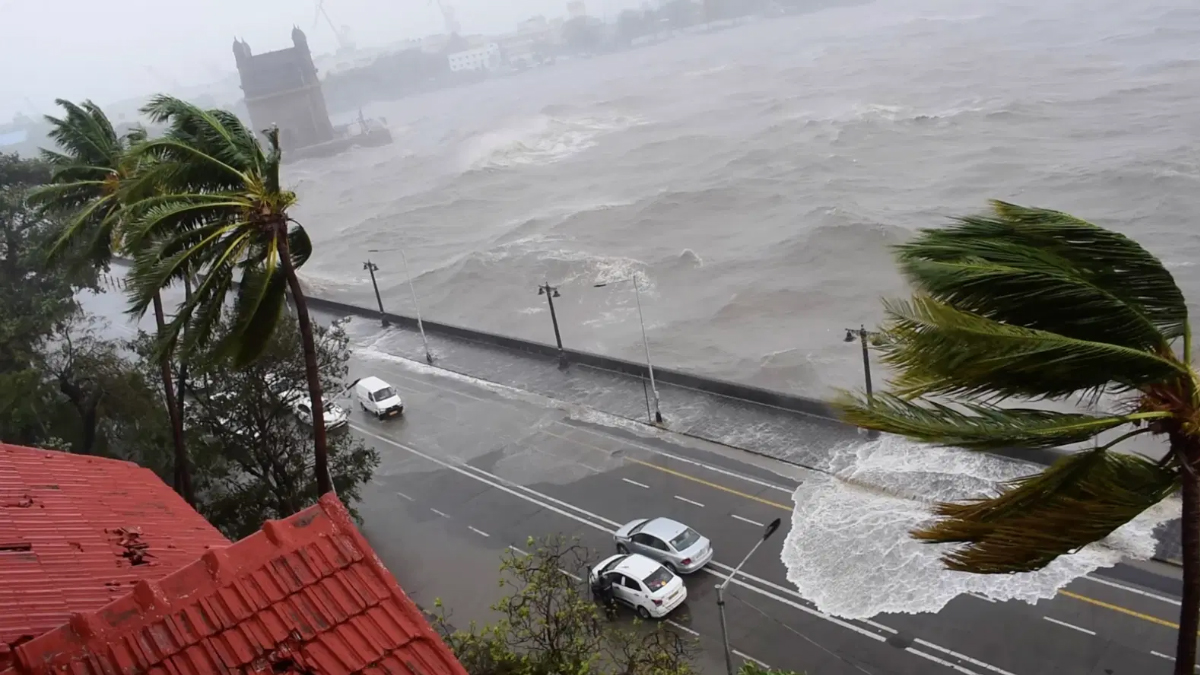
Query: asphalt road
[(471, 471)]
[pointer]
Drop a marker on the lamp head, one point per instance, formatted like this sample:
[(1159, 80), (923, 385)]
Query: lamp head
[(849, 335), (556, 293), (541, 290)]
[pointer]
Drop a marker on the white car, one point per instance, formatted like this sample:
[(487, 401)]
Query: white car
[(336, 416), (649, 588)]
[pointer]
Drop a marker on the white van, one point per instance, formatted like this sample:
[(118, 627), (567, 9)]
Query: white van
[(378, 397)]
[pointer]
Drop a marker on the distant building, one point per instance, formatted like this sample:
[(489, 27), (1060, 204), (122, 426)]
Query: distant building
[(576, 9), (281, 89), (535, 24), (482, 58)]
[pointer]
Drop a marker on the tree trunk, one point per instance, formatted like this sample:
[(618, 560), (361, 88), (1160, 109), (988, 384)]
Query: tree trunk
[(181, 396), (183, 473), (1189, 607), (311, 369)]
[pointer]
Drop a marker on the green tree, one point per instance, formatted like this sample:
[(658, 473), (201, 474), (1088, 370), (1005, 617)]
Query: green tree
[(549, 624), (252, 455), (89, 184), (1033, 304), (222, 215)]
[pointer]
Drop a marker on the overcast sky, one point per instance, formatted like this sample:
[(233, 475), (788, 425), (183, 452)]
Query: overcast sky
[(109, 50)]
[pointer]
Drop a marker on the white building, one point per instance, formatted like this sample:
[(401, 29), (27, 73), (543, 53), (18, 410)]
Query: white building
[(486, 57)]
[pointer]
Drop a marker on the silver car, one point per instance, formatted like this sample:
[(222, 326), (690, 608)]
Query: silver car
[(678, 547)]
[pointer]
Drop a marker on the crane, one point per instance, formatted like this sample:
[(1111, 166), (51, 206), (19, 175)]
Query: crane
[(343, 40), (451, 21)]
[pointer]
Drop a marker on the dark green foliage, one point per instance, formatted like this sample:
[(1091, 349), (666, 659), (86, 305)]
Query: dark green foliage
[(253, 458)]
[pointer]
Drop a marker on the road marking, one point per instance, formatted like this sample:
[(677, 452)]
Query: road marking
[(747, 520), (479, 532), (439, 513), (576, 578), (514, 548), (685, 499), (1069, 625), (1162, 656), (714, 486), (401, 494), (961, 657), (982, 597), (673, 456), (1118, 608), (683, 628), (548, 503), (747, 657), (634, 482), (1131, 589)]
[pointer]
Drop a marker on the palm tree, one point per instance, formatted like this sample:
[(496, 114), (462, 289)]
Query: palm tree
[(223, 214), (89, 172), (1038, 305)]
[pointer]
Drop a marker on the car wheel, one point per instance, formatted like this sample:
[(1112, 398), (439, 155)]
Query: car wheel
[(643, 612), (621, 549), (671, 567)]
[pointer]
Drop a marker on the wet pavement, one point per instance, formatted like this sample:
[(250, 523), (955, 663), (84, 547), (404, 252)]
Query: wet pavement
[(473, 469)]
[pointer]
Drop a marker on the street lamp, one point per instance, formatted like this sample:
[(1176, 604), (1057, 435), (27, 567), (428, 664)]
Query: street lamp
[(372, 268), (770, 530), (658, 418), (416, 305), (862, 335), (551, 292)]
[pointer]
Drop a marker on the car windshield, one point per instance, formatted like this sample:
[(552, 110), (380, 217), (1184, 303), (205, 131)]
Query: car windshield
[(657, 579), (383, 394), (612, 564), (685, 539)]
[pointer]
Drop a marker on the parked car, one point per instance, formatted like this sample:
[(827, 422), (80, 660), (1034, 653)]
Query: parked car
[(378, 397), (677, 546), (336, 416), (641, 583)]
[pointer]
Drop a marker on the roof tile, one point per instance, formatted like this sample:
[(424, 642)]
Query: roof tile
[(76, 532), (306, 594)]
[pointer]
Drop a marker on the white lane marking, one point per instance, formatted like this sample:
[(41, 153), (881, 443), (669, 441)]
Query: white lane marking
[(683, 628), (747, 520), (751, 658), (439, 512), (1131, 589), (547, 502), (685, 460), (576, 578), (401, 494), (1162, 656), (1070, 625), (479, 532), (962, 657), (514, 548), (634, 482), (944, 662), (982, 597), (685, 499)]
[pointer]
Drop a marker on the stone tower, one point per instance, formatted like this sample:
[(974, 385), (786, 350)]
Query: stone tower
[(281, 89)]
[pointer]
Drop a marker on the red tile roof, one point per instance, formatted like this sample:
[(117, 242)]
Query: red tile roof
[(304, 595), (77, 532)]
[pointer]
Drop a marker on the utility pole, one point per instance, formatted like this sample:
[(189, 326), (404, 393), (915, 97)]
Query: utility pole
[(416, 306), (551, 292), (863, 335), (637, 294), (770, 529), (372, 267)]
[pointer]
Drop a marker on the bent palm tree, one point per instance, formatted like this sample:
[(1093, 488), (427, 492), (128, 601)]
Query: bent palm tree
[(88, 175), (223, 214), (1035, 304)]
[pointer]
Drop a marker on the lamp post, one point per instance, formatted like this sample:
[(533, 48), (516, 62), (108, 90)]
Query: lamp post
[(862, 334), (658, 418), (372, 267), (551, 292), (416, 305), (770, 530)]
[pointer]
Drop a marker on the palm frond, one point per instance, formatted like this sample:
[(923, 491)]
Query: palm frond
[(1110, 272), (299, 246), (257, 310), (1080, 500), (978, 426), (938, 349)]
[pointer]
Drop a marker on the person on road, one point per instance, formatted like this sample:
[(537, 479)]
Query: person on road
[(602, 593)]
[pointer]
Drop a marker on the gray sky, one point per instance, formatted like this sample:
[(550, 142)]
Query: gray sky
[(80, 49)]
